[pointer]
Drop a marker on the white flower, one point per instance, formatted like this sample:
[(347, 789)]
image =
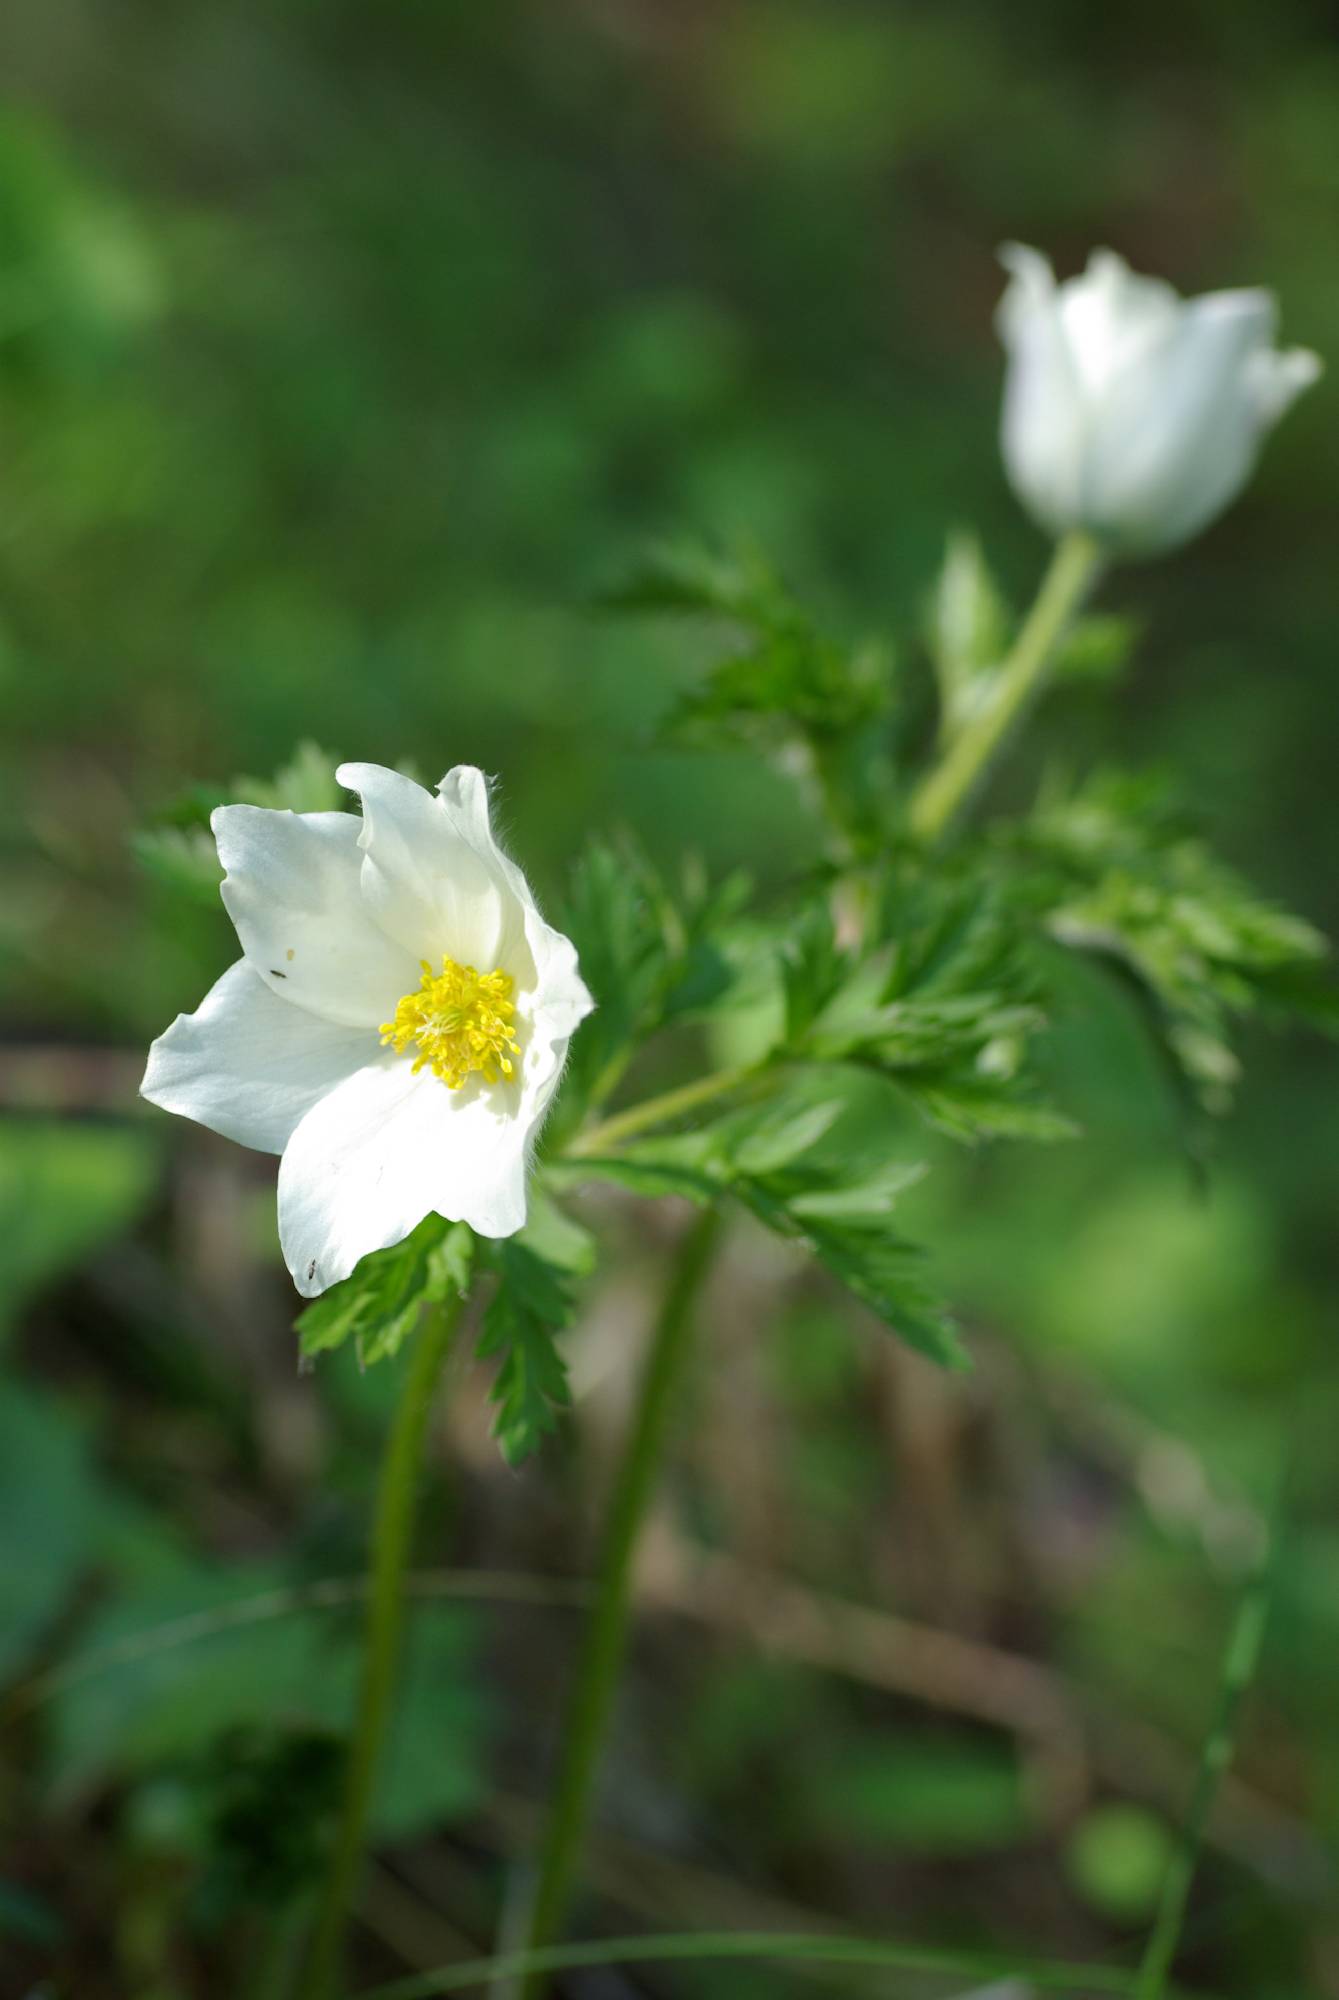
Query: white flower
[(397, 1023), (1130, 412)]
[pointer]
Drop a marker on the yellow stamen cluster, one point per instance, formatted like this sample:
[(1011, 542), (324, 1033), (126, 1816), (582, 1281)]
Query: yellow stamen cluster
[(460, 1020)]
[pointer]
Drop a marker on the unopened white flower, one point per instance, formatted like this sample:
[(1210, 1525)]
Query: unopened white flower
[(1132, 413), (395, 1027)]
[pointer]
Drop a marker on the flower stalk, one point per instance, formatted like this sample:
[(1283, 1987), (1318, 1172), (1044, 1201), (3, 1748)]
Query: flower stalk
[(1072, 574), (392, 1534), (603, 1647), (658, 1110)]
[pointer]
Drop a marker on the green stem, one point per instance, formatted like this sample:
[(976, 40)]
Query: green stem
[(603, 1646), (385, 1619), (657, 1111), (1242, 1652), (767, 1947), (947, 787)]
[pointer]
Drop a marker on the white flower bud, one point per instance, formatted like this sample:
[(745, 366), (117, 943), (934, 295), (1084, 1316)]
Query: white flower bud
[(1129, 412)]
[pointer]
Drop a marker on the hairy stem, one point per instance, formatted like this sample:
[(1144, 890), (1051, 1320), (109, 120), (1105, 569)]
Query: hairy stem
[(946, 788), (385, 1619), (602, 1650)]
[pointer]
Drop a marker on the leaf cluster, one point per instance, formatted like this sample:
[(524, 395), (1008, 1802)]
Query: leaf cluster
[(379, 1304), (783, 684), (1111, 867), (653, 955), (178, 850), (944, 1007), (769, 1155)]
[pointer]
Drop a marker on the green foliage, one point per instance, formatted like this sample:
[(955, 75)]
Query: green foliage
[(305, 784), (182, 859), (269, 1793), (178, 850), (944, 1008), (784, 686), (51, 1501), (378, 1305), (295, 1670), (971, 627), (651, 956), (1110, 867), (64, 1190), (770, 1156), (529, 1308)]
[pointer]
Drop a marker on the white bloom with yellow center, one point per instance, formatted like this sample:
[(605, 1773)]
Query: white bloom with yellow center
[(395, 1027), (1129, 412)]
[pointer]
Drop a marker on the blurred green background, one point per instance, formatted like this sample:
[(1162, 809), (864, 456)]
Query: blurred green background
[(344, 354)]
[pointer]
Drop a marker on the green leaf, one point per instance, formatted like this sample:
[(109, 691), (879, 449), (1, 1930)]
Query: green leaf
[(882, 1270), (945, 1008), (379, 1303), (864, 1202), (306, 784), (684, 577), (774, 1160), (785, 681), (793, 681), (645, 1170), (813, 970), (780, 1136), (651, 955), (183, 859), (969, 631), (1110, 868), (528, 1310)]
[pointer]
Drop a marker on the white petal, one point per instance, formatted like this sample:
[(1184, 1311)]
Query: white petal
[(1042, 429), (386, 1148), (1113, 320), (1278, 379), (1179, 430), (422, 877), (560, 995), (293, 890), (248, 1064)]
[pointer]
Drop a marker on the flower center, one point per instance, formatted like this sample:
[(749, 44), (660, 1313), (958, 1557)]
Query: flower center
[(459, 1020)]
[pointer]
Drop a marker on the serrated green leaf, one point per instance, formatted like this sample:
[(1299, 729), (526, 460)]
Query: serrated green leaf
[(883, 1271), (1111, 869), (642, 1172), (652, 954), (379, 1303), (866, 1202), (528, 1310), (780, 1136), (812, 968)]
